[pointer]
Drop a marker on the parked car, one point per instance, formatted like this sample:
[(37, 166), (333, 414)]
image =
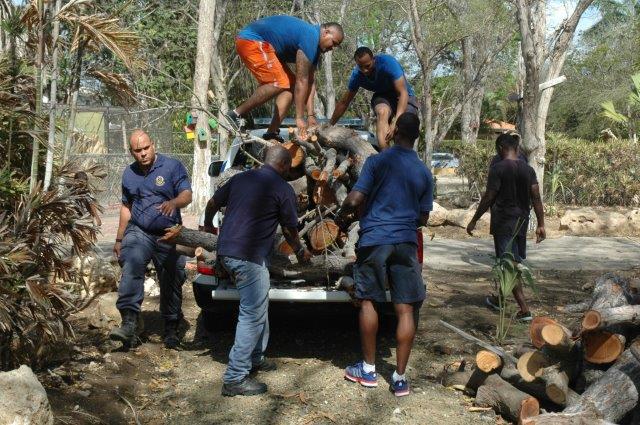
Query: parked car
[(444, 160)]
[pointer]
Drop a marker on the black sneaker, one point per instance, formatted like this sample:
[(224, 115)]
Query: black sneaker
[(273, 136), (492, 302), (248, 386), (266, 365), (524, 316), (234, 121), (171, 336)]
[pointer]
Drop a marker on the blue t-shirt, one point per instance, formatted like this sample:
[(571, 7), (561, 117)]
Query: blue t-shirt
[(257, 201), (287, 35), (166, 178), (386, 71), (399, 187)]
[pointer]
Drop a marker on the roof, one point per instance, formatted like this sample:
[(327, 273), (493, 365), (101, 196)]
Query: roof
[(496, 125)]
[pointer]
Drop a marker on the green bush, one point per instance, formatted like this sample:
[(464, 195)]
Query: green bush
[(577, 172)]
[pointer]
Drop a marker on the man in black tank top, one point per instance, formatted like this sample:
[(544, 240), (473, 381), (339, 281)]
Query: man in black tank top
[(512, 189)]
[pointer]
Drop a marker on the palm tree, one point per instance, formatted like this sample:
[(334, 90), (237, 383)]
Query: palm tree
[(628, 120)]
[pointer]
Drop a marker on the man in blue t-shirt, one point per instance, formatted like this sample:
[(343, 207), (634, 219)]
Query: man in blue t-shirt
[(396, 190), (266, 46), (154, 188), (392, 94)]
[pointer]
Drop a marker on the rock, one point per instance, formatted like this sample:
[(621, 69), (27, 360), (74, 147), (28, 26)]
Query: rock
[(633, 220), (151, 288), (587, 221), (438, 216), (462, 217), (24, 401), (102, 313)]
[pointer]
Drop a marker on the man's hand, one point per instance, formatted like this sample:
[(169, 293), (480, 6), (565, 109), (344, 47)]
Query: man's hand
[(392, 129), (305, 257), (312, 121), (117, 247), (167, 208), (471, 227), (170, 233), (302, 128), (541, 234)]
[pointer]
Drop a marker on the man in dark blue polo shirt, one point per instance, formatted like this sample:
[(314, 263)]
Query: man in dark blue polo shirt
[(154, 188), (392, 94), (256, 202), (396, 189), (266, 46)]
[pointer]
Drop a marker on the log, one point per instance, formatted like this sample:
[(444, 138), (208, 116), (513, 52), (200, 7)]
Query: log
[(499, 351), (342, 138), (536, 388), (582, 418), (341, 170), (557, 337), (488, 361), (575, 308), (323, 234), (530, 365), (602, 347), (467, 381), (311, 169), (318, 270), (349, 250), (180, 235), (340, 191), (535, 329), (329, 166), (203, 255), (297, 153), (556, 378), (610, 291), (506, 400), (598, 319), (615, 394), (187, 251)]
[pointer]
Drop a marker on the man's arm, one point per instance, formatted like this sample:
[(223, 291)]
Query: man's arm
[(541, 233), (424, 218), (304, 78), (403, 100), (342, 106), (293, 239), (347, 212), (311, 113), (209, 212), (182, 200), (125, 216), (487, 200)]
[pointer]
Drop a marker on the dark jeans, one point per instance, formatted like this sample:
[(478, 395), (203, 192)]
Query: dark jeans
[(138, 248)]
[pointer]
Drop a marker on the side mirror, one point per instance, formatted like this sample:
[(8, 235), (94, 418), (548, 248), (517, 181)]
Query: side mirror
[(214, 168)]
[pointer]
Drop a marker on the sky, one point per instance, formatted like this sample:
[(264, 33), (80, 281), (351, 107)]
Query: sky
[(558, 10)]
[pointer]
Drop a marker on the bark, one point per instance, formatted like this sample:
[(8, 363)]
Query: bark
[(506, 400), (609, 291), (468, 380), (598, 319), (499, 351), (73, 97), (194, 238), (616, 393), (53, 98), (576, 308), (536, 388), (344, 139), (582, 418), (557, 337), (219, 75), (35, 153), (202, 149), (556, 378)]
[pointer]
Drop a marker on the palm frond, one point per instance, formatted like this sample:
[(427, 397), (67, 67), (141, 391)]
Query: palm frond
[(117, 86), (609, 111)]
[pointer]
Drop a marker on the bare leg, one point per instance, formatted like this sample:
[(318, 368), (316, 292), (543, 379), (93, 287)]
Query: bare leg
[(283, 102), (405, 333), (518, 294), (368, 330), (383, 112), (262, 95)]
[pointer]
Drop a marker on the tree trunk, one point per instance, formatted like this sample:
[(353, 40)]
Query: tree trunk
[(53, 97), (194, 238), (218, 76), (341, 138), (598, 319), (506, 400), (200, 181), (616, 393), (73, 98), (35, 153)]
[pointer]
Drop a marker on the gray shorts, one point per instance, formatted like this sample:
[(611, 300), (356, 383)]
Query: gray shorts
[(391, 100), (397, 264)]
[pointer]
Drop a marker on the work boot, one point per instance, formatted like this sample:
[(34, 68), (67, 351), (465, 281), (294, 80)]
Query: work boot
[(171, 337), (126, 333), (266, 365), (248, 386)]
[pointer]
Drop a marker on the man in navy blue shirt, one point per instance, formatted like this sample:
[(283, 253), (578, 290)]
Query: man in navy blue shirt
[(154, 188), (396, 190), (266, 46), (392, 93), (256, 202)]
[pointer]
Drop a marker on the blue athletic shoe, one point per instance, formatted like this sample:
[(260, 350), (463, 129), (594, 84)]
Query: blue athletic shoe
[(357, 374), (400, 388)]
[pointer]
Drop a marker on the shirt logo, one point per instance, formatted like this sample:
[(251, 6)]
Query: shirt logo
[(159, 181)]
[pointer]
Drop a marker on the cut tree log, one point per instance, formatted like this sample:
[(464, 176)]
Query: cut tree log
[(341, 170), (499, 351), (615, 394), (536, 388), (535, 329), (329, 166), (202, 254), (342, 138), (311, 168), (575, 308), (627, 314), (349, 250), (556, 378), (602, 347), (531, 365), (610, 291), (187, 251), (488, 361), (557, 337), (180, 235), (506, 399), (467, 381), (323, 234), (581, 418), (318, 270), (297, 153)]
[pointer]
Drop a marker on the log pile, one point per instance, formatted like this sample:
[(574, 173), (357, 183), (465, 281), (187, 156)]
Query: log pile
[(590, 376), (324, 169)]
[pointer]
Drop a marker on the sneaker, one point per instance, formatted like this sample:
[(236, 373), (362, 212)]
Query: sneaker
[(400, 388), (273, 136), (234, 121), (248, 386), (492, 302), (524, 316), (357, 374), (266, 365)]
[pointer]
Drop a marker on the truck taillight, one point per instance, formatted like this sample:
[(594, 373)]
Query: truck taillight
[(206, 268), (420, 246)]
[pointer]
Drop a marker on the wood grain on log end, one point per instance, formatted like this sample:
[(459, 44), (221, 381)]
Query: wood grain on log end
[(297, 153), (487, 361), (535, 329), (529, 408), (323, 234), (591, 320), (602, 347), (531, 365)]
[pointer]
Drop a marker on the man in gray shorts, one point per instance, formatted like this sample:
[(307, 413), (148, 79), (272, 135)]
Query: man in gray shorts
[(396, 189)]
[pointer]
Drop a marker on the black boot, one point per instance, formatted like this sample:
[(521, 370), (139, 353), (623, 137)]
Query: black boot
[(171, 337), (126, 333), (248, 386)]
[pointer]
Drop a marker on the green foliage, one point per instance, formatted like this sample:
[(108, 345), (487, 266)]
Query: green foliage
[(633, 109), (11, 187)]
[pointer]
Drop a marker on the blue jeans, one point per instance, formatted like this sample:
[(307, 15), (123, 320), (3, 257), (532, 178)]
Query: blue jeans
[(252, 331), (138, 248)]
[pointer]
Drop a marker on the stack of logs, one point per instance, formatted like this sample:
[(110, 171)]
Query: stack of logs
[(590, 376), (324, 169)]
